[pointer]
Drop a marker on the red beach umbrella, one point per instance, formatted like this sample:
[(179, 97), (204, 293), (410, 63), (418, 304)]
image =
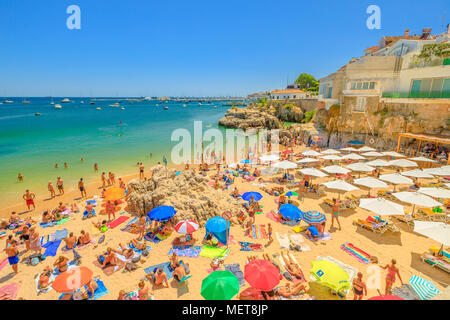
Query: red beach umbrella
[(262, 275), (186, 226), (387, 297), (287, 152)]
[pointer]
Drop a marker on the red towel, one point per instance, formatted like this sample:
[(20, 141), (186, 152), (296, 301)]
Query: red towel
[(118, 221), (9, 292)]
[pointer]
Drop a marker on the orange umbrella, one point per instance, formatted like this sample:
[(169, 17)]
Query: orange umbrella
[(72, 279), (114, 194)]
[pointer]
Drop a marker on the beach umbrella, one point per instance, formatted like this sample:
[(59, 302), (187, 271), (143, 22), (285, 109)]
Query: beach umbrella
[(262, 275), (424, 288), (403, 163), (72, 279), (386, 297), (438, 231), (336, 170), (443, 295), (438, 171), (285, 165), (332, 157), (217, 224), (340, 185), (311, 153), (232, 165), (330, 151), (330, 275), (422, 159), (416, 198), (416, 173), (246, 161), (162, 213), (220, 285), (290, 194), (366, 149), (186, 226), (349, 149), (372, 154), (396, 178), (353, 156), (114, 194), (370, 182), (393, 154), (290, 212), (378, 163), (269, 157), (313, 172), (178, 172), (307, 160), (248, 196), (356, 142), (381, 206), (313, 217), (360, 167), (447, 185)]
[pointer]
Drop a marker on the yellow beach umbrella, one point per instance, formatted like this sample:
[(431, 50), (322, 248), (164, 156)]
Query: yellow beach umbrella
[(330, 274), (114, 194)]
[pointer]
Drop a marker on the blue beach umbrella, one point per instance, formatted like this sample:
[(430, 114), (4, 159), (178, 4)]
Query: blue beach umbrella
[(162, 213), (219, 227), (246, 161), (314, 217), (291, 212), (248, 196), (355, 142)]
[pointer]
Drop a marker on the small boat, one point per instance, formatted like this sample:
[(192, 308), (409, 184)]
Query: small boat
[(115, 105), (122, 108), (37, 114), (52, 102), (166, 108), (9, 101), (82, 101), (25, 101), (215, 107), (65, 100), (98, 108), (58, 106), (184, 106), (92, 102)]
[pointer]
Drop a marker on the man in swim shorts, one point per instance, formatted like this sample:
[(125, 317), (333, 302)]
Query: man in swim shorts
[(13, 258), (60, 185), (158, 278), (29, 199), (82, 188)]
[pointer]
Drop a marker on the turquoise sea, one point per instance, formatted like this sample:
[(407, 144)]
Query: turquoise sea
[(113, 137)]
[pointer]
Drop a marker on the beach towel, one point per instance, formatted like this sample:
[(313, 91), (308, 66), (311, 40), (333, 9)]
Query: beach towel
[(212, 252), (9, 292), (51, 248), (186, 251), (271, 215), (64, 220), (109, 270), (46, 224), (355, 252), (3, 263), (130, 228), (117, 222), (247, 246), (99, 292), (405, 292), (258, 231), (324, 236), (39, 290), (283, 267), (298, 240), (283, 240), (165, 266), (82, 246), (60, 235), (139, 251), (236, 270)]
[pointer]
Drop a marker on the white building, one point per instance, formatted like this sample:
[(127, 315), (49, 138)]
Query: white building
[(288, 94)]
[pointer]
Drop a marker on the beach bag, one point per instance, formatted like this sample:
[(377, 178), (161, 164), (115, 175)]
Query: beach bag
[(34, 261), (102, 238)]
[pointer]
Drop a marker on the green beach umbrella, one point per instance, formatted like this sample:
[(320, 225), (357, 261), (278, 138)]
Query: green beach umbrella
[(330, 274), (290, 193), (220, 285)]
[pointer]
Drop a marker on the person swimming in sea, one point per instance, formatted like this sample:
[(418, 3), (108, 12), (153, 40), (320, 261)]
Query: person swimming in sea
[(20, 177)]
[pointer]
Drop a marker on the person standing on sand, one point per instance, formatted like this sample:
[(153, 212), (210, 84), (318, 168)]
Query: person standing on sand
[(82, 188), (108, 180), (29, 199), (141, 171), (390, 276), (359, 287), (51, 189), (121, 184), (269, 234), (13, 258), (112, 178), (103, 180), (60, 185), (110, 209), (141, 223), (335, 212), (35, 241), (56, 166)]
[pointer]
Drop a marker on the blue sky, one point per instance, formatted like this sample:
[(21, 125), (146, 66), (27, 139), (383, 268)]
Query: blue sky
[(190, 47)]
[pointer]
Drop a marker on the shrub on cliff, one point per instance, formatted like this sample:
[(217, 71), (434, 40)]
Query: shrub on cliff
[(309, 115)]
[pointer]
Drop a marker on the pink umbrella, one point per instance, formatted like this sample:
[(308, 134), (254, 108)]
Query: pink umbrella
[(186, 226)]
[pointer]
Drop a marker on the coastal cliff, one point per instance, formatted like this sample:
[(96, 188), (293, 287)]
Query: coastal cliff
[(187, 192)]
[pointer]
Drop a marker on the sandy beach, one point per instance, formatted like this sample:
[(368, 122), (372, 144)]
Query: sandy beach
[(405, 246)]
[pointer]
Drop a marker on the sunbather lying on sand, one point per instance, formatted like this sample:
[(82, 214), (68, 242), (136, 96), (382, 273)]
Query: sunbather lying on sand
[(102, 226), (158, 278), (137, 244), (292, 267), (44, 278), (126, 252), (288, 291), (108, 258)]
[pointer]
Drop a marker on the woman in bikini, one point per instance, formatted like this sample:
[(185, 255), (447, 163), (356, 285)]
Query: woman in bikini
[(359, 287), (44, 278), (335, 213), (144, 292), (292, 267), (390, 276)]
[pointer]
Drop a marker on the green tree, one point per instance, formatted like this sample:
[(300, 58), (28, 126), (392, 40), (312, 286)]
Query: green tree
[(307, 81)]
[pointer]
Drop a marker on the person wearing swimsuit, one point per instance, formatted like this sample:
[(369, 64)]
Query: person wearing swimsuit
[(390, 277), (359, 287)]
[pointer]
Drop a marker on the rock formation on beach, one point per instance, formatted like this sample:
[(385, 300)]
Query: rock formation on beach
[(245, 118), (187, 192)]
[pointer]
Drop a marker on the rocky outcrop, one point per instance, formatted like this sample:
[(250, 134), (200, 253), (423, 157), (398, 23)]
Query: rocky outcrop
[(187, 192), (245, 118)]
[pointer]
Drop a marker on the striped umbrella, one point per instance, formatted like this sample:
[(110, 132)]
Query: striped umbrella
[(314, 217), (186, 226), (424, 288)]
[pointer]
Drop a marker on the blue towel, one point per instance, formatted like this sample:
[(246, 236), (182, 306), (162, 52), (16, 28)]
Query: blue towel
[(46, 224), (101, 290), (148, 248), (60, 234), (166, 268), (51, 248)]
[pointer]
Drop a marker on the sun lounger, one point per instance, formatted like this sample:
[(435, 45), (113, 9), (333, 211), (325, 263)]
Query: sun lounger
[(432, 215), (435, 261), (376, 225)]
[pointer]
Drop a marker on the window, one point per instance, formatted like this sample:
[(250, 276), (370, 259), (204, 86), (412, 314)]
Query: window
[(359, 85), (353, 86), (430, 88), (360, 105), (372, 85), (362, 85), (365, 85)]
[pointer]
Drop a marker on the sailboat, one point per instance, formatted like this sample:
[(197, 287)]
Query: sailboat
[(115, 105), (58, 106), (65, 100)]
